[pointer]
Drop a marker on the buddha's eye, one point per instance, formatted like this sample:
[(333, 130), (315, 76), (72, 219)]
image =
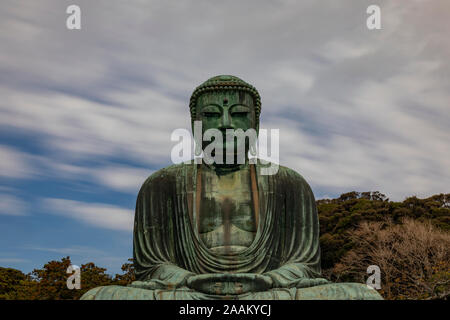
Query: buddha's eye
[(211, 114), (239, 113)]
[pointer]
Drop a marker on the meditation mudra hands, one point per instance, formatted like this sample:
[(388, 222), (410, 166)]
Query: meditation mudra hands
[(229, 283), (239, 283), (212, 283), (226, 283)]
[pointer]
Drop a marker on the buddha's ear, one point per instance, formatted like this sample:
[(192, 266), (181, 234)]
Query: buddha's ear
[(193, 119), (256, 117)]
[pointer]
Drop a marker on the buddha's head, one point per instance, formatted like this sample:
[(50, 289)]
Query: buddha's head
[(226, 102)]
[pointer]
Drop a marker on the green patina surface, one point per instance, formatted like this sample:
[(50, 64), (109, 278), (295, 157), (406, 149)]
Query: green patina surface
[(217, 232)]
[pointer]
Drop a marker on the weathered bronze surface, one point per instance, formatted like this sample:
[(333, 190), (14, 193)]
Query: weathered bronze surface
[(226, 231)]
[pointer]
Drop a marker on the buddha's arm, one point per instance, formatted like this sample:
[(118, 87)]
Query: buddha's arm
[(295, 275), (156, 235), (165, 276), (300, 224)]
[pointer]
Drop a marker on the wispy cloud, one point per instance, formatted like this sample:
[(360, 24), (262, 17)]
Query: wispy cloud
[(77, 128), (13, 260), (14, 163), (11, 205), (95, 214), (73, 250), (115, 177), (78, 255), (122, 178)]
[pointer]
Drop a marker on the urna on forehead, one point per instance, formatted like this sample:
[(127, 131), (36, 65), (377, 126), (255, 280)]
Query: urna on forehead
[(226, 97)]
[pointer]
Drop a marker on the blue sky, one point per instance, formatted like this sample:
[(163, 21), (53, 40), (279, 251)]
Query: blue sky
[(86, 115)]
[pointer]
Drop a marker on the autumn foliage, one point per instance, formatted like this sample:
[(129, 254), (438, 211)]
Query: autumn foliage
[(409, 241), (413, 256), (50, 282)]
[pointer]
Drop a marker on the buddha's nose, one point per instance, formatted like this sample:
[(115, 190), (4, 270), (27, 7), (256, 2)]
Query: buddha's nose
[(226, 122)]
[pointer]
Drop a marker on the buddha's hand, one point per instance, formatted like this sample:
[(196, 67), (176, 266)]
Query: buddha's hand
[(310, 282), (170, 280), (229, 283)]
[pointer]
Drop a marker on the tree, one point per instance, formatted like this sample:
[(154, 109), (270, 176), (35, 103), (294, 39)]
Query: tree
[(413, 256), (15, 285), (128, 276), (52, 280), (92, 277), (337, 216)]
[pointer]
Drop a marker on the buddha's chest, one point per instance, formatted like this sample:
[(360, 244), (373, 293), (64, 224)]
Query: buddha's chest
[(226, 213)]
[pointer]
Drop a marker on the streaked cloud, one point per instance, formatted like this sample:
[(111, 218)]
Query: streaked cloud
[(73, 250), (13, 260), (115, 177), (122, 178), (13, 163), (11, 205), (77, 128), (95, 214), (78, 255)]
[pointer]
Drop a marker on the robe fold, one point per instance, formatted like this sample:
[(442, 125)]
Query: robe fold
[(167, 247), (286, 244)]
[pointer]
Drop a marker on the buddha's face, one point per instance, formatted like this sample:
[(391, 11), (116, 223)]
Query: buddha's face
[(227, 109)]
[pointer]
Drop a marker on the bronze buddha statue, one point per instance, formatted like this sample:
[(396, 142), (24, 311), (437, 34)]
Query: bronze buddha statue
[(226, 231)]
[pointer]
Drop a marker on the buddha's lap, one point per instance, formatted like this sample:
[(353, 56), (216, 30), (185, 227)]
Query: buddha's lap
[(334, 291)]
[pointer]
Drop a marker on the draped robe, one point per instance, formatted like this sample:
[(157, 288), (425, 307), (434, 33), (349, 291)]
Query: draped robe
[(167, 246)]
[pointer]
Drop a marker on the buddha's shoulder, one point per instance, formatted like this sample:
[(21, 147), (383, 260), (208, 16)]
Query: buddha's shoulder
[(286, 171), (285, 174), (168, 174), (171, 173)]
